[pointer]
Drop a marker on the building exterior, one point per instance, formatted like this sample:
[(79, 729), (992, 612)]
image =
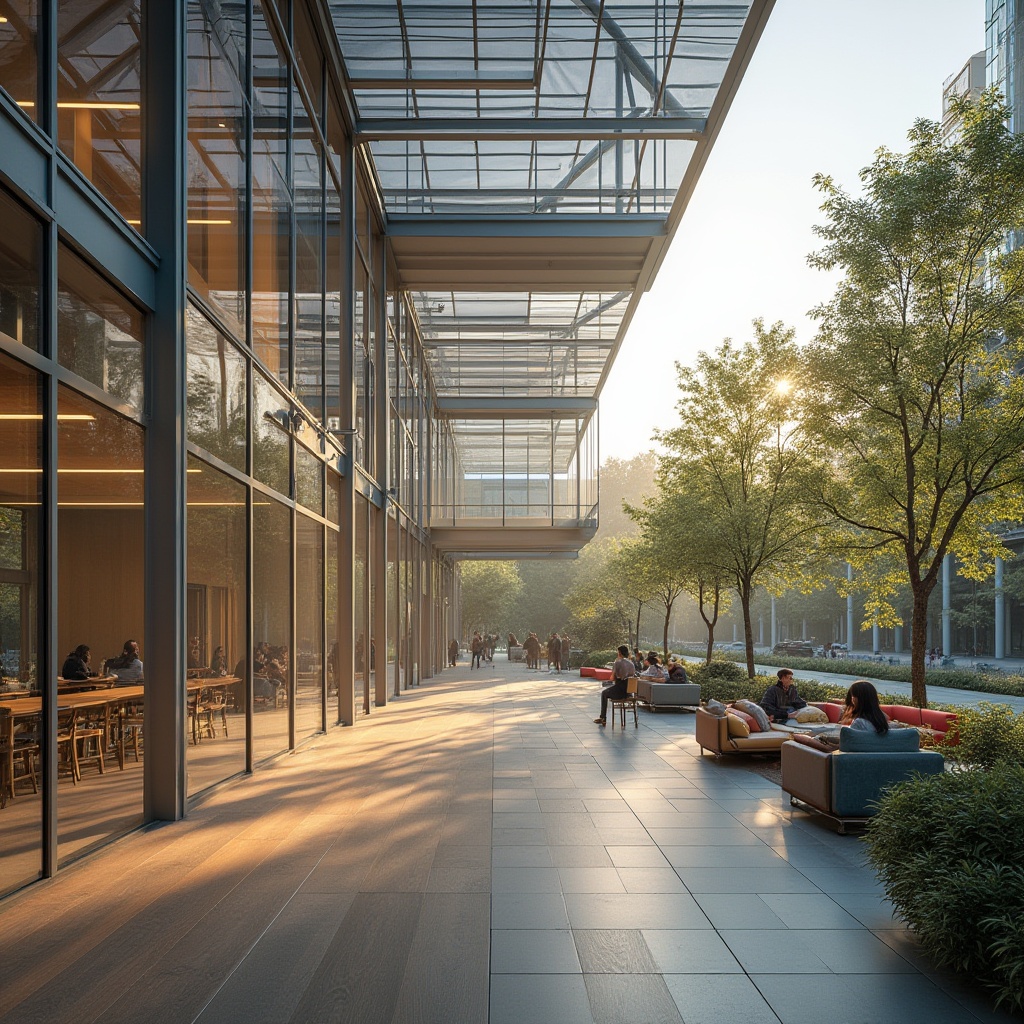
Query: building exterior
[(301, 303)]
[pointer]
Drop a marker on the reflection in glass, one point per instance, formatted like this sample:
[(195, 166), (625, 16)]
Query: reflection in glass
[(216, 391), (309, 621), (216, 157), (272, 663), (333, 632), (271, 199), (21, 255), (309, 480), (100, 550), (359, 616), (271, 438), (99, 110), (19, 53), (20, 502), (217, 594), (99, 332)]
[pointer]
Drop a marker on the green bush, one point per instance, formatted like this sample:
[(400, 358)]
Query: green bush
[(598, 659), (947, 849), (985, 736)]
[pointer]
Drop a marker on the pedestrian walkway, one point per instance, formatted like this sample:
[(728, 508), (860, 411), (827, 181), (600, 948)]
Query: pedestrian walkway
[(478, 851)]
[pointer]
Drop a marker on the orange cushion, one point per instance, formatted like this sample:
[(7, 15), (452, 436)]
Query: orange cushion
[(834, 711), (751, 721), (588, 672), (738, 729), (603, 673), (902, 713), (940, 721)]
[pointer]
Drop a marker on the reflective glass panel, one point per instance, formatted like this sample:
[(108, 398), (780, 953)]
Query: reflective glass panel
[(101, 605), (216, 391), (21, 256), (360, 606), (99, 332), (271, 199), (272, 615), (309, 621), (19, 54), (271, 435), (216, 605), (216, 157), (20, 722), (99, 111), (309, 480)]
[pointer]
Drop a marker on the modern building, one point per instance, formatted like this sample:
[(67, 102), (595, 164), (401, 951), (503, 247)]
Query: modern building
[(302, 302)]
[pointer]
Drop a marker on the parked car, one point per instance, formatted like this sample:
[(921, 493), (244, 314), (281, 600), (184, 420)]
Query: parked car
[(736, 645)]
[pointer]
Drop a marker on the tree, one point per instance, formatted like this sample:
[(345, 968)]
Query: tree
[(912, 381), (624, 480), (488, 592), (740, 454)]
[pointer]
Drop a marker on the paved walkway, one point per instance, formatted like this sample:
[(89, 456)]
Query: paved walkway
[(478, 851)]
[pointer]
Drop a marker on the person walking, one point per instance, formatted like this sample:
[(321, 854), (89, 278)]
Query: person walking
[(477, 650), (554, 652), (453, 653), (621, 672)]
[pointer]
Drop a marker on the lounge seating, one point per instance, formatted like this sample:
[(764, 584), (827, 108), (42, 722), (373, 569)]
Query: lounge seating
[(843, 785), (933, 724), (668, 695), (713, 735)]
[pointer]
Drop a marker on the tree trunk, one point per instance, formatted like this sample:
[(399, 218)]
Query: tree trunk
[(748, 636), (918, 638), (639, 609), (710, 623), (664, 635)]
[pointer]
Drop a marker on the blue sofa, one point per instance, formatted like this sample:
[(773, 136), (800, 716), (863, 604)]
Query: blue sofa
[(844, 784)]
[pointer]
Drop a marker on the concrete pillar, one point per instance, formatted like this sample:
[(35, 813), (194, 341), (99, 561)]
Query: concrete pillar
[(947, 632), (898, 640), (849, 611), (876, 638), (760, 629), (803, 629), (775, 624), (1000, 646), (734, 636)]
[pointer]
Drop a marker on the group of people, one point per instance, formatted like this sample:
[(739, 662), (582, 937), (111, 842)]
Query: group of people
[(125, 668), (862, 710), (647, 666), (481, 647)]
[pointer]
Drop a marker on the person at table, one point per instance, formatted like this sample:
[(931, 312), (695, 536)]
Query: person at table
[(862, 711), (219, 662), (76, 664), (653, 670), (621, 671), (781, 700), (126, 667)]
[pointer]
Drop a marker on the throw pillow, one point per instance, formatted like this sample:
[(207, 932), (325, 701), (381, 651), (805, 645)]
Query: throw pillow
[(757, 712), (811, 716), (738, 729), (716, 708), (749, 719), (868, 741)]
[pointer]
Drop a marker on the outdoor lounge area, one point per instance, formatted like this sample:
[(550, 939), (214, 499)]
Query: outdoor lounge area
[(479, 851)]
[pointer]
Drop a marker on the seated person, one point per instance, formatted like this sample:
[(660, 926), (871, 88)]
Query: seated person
[(621, 671), (654, 670), (862, 710), (126, 667), (219, 662), (781, 700), (676, 672), (76, 664)]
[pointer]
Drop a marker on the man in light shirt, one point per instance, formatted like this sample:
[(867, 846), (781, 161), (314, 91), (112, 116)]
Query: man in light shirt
[(621, 671)]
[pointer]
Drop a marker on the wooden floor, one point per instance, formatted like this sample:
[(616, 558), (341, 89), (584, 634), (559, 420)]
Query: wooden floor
[(477, 851)]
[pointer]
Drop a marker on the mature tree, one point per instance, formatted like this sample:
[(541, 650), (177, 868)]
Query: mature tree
[(489, 590), (624, 480), (913, 380), (741, 455), (540, 604)]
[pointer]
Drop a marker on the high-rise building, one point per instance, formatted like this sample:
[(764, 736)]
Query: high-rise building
[(302, 302)]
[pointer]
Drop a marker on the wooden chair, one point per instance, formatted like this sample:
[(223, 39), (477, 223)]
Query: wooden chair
[(15, 750), (622, 704), (129, 730), (90, 741), (67, 747)]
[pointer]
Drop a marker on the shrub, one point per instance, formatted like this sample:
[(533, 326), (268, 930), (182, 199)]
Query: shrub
[(947, 850), (598, 659), (985, 736)]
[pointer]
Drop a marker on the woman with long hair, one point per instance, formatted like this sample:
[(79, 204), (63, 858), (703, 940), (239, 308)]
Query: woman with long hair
[(862, 709)]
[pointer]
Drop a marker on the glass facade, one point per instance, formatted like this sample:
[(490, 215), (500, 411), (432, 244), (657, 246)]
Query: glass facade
[(255, 405)]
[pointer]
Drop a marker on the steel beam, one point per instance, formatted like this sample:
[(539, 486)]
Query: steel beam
[(588, 129), (495, 407)]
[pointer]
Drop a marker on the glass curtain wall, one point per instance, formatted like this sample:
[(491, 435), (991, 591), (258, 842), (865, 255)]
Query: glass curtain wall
[(21, 495)]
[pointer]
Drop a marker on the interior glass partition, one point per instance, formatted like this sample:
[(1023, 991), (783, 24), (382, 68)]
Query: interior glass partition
[(21, 269), (309, 617)]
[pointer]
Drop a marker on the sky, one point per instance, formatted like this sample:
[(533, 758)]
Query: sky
[(829, 82)]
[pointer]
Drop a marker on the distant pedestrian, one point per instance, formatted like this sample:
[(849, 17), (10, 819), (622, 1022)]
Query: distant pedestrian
[(477, 650), (453, 653)]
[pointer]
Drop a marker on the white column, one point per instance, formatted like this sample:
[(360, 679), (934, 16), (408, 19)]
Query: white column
[(898, 640), (1000, 651), (803, 629), (775, 626), (849, 611), (760, 630), (947, 633), (876, 638), (734, 636)]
